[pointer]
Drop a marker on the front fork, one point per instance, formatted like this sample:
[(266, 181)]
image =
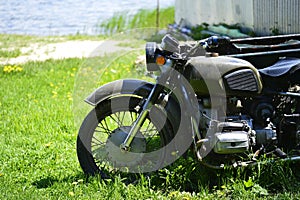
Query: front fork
[(185, 99), (154, 95)]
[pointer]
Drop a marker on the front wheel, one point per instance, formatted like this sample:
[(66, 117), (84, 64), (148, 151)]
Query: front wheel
[(105, 129)]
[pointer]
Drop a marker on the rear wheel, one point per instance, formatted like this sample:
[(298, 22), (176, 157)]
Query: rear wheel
[(106, 127)]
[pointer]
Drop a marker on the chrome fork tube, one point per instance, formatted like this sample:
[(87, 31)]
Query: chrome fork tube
[(125, 146), (134, 129)]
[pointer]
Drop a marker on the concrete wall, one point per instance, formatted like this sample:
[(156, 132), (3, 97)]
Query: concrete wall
[(260, 15)]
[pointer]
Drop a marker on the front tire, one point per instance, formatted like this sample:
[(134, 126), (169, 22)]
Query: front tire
[(105, 128)]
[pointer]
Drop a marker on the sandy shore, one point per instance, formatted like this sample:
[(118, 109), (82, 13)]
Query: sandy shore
[(61, 50)]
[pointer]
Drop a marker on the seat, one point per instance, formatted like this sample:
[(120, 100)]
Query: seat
[(282, 74), (283, 67)]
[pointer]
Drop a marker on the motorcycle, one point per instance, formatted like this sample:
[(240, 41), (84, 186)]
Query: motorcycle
[(226, 106)]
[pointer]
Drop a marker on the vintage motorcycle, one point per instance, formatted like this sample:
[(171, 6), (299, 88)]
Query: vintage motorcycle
[(232, 106)]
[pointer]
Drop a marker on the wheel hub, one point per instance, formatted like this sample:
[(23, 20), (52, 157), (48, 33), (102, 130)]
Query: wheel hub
[(119, 157)]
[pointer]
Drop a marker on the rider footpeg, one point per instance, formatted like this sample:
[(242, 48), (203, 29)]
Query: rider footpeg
[(278, 152)]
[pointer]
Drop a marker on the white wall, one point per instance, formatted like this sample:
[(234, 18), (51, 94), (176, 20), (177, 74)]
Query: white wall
[(196, 12), (260, 15), (283, 15)]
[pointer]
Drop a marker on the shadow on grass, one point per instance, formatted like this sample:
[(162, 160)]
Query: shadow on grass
[(49, 181), (189, 176), (44, 182)]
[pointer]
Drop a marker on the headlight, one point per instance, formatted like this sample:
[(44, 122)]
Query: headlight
[(151, 54), (154, 59)]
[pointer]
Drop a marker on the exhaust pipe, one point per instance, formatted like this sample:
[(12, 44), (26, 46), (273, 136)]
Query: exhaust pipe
[(296, 158)]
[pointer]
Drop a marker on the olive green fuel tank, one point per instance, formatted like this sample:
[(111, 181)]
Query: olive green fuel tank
[(209, 74)]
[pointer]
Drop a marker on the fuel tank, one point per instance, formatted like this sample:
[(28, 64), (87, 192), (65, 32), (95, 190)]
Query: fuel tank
[(216, 74)]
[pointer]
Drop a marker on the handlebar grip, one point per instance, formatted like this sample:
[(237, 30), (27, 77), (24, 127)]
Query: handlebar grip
[(215, 41)]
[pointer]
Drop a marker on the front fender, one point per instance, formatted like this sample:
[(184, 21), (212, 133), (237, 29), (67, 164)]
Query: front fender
[(135, 87), (127, 86)]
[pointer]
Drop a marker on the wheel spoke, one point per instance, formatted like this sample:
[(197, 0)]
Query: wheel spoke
[(117, 115), (148, 133), (122, 121), (132, 119), (147, 127), (150, 128), (97, 142), (115, 120), (122, 117), (105, 129)]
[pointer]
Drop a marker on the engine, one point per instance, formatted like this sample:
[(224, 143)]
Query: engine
[(233, 137), (237, 136), (249, 126)]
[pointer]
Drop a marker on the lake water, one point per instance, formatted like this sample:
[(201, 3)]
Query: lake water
[(61, 17)]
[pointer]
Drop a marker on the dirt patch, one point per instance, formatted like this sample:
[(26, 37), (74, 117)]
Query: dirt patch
[(61, 50)]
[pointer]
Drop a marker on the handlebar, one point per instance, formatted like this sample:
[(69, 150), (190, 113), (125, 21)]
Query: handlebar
[(214, 41), (211, 42), (171, 45)]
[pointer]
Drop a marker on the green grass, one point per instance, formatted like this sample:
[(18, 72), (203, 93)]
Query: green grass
[(84, 37), (37, 143), (18, 41), (10, 53), (143, 19), (41, 106), (14, 40)]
